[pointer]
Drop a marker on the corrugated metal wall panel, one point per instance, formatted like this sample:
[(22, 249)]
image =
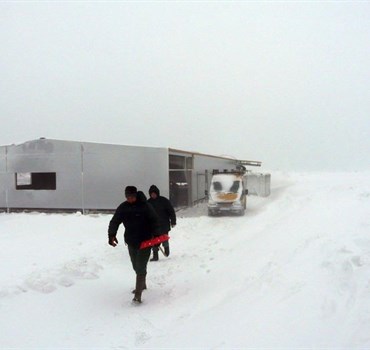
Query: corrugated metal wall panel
[(88, 175), (108, 169), (61, 157), (259, 184)]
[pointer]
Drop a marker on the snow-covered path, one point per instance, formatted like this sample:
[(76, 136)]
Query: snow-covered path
[(292, 273)]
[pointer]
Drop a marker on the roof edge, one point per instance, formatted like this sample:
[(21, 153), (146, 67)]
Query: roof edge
[(238, 161)]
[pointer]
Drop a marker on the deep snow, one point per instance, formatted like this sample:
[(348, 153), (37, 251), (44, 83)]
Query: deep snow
[(294, 272)]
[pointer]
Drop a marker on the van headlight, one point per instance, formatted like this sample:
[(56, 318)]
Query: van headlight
[(212, 203), (237, 204)]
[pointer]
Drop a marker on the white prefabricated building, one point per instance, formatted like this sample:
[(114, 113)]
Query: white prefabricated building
[(57, 175)]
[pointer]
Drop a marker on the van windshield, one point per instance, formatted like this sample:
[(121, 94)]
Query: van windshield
[(226, 183), (225, 187)]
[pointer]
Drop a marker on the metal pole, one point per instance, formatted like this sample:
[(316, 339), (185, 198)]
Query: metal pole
[(6, 180), (82, 181)]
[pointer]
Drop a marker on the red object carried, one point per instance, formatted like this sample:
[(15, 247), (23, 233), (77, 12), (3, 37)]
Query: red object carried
[(154, 241)]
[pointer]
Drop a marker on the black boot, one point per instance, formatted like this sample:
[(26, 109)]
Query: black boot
[(140, 282), (144, 287), (167, 250), (155, 256)]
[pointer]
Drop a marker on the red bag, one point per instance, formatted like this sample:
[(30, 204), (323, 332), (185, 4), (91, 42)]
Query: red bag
[(154, 241)]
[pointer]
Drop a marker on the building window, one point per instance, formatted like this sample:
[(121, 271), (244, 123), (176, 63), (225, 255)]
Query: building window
[(181, 162), (35, 181), (177, 162), (189, 163)]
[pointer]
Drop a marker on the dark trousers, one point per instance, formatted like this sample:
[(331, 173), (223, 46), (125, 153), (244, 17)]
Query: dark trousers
[(139, 259)]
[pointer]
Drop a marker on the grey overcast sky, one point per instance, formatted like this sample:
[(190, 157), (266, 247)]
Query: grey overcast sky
[(287, 83)]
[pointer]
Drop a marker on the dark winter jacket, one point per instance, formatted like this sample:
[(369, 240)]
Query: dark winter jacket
[(164, 209), (139, 219)]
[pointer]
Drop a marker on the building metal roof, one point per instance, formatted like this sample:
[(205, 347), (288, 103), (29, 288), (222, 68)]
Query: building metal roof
[(171, 150)]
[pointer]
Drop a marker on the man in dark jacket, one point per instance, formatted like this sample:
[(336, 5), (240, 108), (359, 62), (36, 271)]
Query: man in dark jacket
[(167, 217), (141, 223)]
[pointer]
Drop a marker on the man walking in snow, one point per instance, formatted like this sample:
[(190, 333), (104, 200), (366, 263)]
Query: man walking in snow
[(167, 217), (141, 223)]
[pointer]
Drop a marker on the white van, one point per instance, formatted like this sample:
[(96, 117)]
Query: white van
[(228, 193)]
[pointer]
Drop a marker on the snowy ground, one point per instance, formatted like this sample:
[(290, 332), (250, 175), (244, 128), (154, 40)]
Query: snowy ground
[(294, 272)]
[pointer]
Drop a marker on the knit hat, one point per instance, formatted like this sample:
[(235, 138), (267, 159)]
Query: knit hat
[(130, 191), (154, 188)]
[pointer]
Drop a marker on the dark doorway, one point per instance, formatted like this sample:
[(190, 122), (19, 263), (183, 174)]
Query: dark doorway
[(180, 167), (180, 185)]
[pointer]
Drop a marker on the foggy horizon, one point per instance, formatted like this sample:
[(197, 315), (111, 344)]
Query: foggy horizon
[(285, 83)]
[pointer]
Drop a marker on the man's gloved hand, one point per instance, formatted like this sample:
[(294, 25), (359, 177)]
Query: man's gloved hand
[(113, 241)]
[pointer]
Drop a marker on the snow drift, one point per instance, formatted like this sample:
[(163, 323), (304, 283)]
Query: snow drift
[(292, 273)]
